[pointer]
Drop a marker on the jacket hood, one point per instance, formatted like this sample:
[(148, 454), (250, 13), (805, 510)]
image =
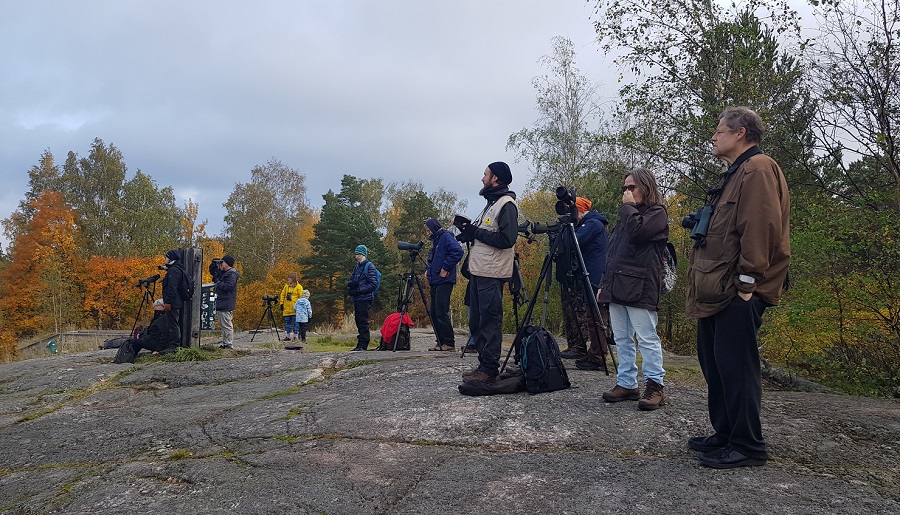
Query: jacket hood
[(595, 215), (433, 225)]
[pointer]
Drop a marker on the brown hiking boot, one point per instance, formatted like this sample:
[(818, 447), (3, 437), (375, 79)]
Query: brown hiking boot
[(618, 394), (478, 375), (653, 397)]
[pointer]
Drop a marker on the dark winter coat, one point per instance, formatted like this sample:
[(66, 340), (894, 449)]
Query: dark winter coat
[(634, 261), (592, 238), (363, 282), (171, 285), (226, 290), (162, 334), (445, 253)]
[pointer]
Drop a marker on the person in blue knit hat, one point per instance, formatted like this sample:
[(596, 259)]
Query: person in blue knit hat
[(361, 288)]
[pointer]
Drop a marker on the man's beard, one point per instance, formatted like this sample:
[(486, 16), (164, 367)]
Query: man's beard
[(487, 189)]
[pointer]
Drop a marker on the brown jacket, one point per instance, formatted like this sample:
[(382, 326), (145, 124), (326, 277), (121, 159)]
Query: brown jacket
[(749, 234), (634, 260)]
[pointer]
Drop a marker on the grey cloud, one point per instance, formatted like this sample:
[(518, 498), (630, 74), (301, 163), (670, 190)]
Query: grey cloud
[(197, 93)]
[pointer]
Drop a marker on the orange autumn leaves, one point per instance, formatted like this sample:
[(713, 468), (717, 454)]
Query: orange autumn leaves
[(49, 287)]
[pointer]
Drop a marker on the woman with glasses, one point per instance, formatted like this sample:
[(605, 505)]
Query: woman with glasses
[(631, 286)]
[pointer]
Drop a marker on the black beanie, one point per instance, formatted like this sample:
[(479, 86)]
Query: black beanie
[(172, 255), (228, 260), (502, 172)]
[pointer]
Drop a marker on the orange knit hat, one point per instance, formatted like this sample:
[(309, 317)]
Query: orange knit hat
[(583, 204)]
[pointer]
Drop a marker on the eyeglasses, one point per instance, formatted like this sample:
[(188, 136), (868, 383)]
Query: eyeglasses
[(629, 187)]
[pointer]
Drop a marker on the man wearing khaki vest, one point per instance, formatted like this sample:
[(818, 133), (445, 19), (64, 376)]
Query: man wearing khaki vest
[(490, 262)]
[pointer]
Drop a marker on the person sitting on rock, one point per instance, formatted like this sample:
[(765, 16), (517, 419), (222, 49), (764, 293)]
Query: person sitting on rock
[(162, 337)]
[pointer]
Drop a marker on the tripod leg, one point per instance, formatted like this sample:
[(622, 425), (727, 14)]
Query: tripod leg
[(268, 310), (424, 300), (428, 309), (404, 298), (396, 337), (526, 319), (141, 308), (588, 293), (272, 320)]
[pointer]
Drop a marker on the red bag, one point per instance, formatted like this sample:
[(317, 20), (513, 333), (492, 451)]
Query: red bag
[(390, 327)]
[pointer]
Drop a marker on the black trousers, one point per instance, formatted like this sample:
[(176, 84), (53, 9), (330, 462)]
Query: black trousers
[(729, 358), (361, 317), (303, 326), (175, 313), (440, 313), (486, 321)]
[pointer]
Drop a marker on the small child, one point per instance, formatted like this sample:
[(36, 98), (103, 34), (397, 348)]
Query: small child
[(303, 310)]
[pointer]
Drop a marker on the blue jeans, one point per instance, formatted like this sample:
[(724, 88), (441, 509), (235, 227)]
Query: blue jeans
[(628, 322), (290, 323)]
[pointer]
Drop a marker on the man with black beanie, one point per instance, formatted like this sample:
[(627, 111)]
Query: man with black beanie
[(490, 237), (226, 299), (174, 289)]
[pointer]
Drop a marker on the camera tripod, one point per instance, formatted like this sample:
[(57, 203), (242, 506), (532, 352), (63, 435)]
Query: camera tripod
[(582, 286), (405, 295), (268, 303), (147, 299)]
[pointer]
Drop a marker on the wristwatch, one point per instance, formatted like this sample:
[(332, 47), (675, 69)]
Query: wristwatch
[(746, 279)]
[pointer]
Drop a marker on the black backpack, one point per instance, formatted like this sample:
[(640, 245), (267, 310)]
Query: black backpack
[(186, 288), (540, 361), (126, 353)]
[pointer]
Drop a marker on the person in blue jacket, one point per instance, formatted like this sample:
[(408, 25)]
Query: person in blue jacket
[(303, 312), (361, 288), (593, 240), (443, 257)]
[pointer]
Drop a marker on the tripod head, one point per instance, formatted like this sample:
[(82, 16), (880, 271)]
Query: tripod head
[(147, 282), (268, 300)]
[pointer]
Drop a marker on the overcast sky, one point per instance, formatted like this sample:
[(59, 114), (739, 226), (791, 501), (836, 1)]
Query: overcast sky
[(195, 94)]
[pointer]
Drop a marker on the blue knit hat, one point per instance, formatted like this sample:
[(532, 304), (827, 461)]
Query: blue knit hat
[(172, 255), (362, 249)]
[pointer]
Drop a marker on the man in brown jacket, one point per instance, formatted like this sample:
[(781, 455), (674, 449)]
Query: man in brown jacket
[(738, 269)]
